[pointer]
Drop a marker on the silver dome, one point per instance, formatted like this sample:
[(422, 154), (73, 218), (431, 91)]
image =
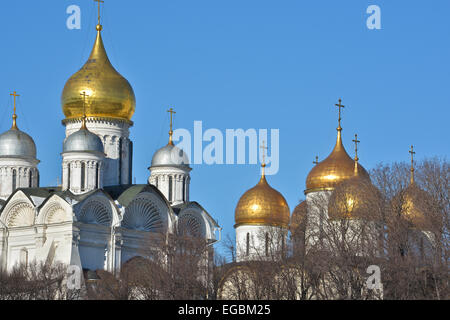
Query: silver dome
[(83, 140), (170, 155), (16, 143)]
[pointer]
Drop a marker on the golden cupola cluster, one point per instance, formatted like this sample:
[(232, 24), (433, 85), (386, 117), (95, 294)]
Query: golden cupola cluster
[(262, 205), (336, 168), (110, 95)]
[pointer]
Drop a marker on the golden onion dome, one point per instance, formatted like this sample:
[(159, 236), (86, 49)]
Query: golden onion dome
[(262, 205), (414, 203), (355, 198), (109, 95), (298, 216), (337, 167)]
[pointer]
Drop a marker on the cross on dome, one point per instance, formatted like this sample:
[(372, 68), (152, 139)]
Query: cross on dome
[(14, 125)]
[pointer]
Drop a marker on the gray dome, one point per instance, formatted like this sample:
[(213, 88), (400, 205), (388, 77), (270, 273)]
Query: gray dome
[(15, 143), (171, 156), (83, 140)]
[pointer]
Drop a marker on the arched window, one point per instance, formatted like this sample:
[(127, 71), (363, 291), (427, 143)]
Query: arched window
[(23, 256), (68, 176), (97, 175), (184, 189), (14, 180), (267, 244), (83, 176), (30, 179), (247, 251), (156, 181), (170, 188)]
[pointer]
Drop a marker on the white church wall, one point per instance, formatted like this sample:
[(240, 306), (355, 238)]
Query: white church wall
[(257, 247), (23, 168)]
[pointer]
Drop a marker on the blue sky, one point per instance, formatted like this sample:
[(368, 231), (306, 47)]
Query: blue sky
[(242, 64)]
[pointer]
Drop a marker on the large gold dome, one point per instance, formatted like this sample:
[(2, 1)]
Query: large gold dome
[(262, 205), (109, 95), (337, 167)]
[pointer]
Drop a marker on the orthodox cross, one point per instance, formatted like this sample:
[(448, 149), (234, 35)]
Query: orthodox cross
[(99, 2), (340, 106), (83, 122), (14, 94), (317, 161), (263, 165), (263, 148), (412, 163), (356, 141), (14, 125), (171, 122)]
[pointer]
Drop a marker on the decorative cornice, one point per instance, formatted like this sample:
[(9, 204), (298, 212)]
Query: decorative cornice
[(98, 119)]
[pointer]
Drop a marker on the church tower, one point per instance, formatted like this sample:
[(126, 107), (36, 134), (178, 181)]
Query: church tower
[(18, 163), (83, 158), (109, 107), (262, 220), (169, 171)]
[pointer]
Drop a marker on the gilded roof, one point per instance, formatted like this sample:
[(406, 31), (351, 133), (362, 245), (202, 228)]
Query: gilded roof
[(355, 198), (108, 94), (262, 205), (337, 167)]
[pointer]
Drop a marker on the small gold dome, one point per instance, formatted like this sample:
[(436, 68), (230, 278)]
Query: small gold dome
[(414, 204), (262, 205), (109, 95), (355, 198), (337, 167), (298, 216)]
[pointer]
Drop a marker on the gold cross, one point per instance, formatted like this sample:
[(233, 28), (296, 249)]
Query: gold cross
[(317, 160), (171, 114), (264, 147), (340, 106), (83, 122), (412, 164), (412, 154), (99, 3), (14, 94), (356, 141), (171, 122)]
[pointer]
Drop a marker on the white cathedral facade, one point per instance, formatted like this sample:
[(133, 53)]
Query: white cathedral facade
[(96, 219)]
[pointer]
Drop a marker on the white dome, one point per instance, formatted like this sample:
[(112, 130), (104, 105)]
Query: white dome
[(15, 143), (170, 156), (83, 141)]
